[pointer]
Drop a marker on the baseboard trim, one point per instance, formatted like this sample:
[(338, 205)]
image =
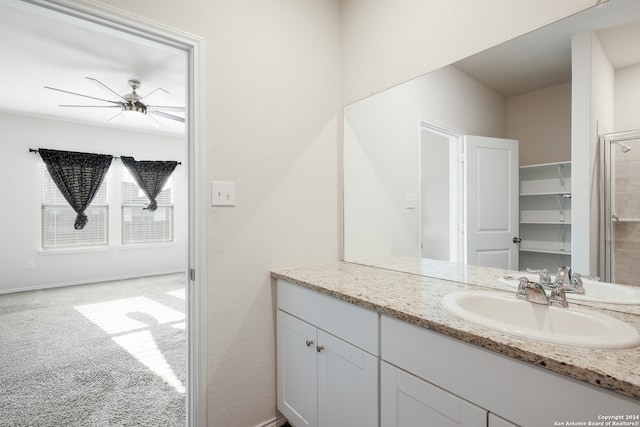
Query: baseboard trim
[(278, 421), (87, 282)]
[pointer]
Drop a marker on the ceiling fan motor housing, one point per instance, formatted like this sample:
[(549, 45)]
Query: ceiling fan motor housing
[(133, 97), (137, 107)]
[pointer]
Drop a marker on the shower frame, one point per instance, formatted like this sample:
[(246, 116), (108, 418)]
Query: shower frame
[(607, 248)]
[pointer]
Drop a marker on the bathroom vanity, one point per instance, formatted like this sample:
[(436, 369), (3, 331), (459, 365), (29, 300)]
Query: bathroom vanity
[(367, 346)]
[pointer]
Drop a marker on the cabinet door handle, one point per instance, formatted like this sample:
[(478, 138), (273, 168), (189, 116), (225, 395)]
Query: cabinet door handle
[(319, 348), (309, 343), (517, 240)]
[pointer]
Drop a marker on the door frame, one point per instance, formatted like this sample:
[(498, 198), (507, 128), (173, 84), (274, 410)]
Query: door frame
[(196, 186), (456, 185)]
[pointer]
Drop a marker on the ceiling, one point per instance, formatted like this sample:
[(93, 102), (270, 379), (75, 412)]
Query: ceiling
[(40, 48), (542, 58)]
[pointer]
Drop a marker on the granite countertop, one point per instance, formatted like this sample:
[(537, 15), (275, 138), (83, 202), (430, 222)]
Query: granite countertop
[(470, 274), (415, 299)]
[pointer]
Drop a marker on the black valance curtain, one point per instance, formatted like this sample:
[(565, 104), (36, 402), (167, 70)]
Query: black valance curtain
[(151, 176), (78, 176)]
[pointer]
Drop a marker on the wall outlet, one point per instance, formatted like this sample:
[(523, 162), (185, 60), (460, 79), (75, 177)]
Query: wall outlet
[(31, 265)]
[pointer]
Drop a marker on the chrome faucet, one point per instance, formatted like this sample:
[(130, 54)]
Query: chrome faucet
[(532, 292), (569, 281), (563, 274), (558, 297)]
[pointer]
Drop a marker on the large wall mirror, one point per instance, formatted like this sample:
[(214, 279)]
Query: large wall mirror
[(493, 160)]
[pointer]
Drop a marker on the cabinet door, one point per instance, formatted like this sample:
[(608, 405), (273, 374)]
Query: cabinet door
[(297, 368), (347, 384), (408, 401)]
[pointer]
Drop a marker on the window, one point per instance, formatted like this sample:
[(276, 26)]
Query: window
[(140, 225), (58, 218)]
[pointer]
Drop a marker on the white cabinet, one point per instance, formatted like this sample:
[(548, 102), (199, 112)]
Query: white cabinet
[(323, 380), (408, 401), (545, 215), (444, 373), (297, 370)]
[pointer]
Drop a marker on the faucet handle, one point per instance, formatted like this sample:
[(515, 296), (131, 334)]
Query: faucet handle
[(545, 277), (522, 287), (558, 296), (576, 283), (561, 276)]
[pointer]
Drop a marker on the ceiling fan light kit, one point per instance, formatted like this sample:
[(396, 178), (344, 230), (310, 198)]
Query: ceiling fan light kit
[(130, 104)]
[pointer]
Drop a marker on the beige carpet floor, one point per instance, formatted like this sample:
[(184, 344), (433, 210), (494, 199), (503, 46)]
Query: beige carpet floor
[(104, 354)]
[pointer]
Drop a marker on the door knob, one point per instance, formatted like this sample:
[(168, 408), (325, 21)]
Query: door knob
[(517, 240)]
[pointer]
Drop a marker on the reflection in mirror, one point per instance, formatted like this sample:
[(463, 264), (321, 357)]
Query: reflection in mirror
[(406, 176), (621, 206)]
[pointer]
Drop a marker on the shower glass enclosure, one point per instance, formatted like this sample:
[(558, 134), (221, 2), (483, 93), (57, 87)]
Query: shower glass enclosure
[(620, 207)]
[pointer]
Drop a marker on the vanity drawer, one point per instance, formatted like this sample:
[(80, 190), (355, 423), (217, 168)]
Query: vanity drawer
[(349, 322)]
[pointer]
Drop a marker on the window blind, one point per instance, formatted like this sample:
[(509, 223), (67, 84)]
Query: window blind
[(58, 218), (140, 225)]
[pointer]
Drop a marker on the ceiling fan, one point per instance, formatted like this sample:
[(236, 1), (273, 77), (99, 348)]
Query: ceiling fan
[(130, 103)]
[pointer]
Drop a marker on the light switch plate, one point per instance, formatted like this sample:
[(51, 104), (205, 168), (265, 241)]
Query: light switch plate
[(223, 193), (411, 200)]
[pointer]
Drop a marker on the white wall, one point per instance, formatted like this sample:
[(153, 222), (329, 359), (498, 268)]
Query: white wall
[(627, 98), (20, 170), (593, 81), (435, 221), (541, 121), (387, 42), (381, 157), (273, 104)]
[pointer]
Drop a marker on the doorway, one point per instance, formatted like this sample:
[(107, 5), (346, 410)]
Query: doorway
[(125, 26), (468, 198), (441, 203)]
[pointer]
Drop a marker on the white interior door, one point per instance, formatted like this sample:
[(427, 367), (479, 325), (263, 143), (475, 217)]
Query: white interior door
[(491, 181)]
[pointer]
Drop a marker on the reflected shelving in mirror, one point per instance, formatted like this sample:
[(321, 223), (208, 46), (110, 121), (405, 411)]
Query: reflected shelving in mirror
[(545, 215)]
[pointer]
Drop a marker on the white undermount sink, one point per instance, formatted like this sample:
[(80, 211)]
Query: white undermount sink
[(565, 326), (594, 291)]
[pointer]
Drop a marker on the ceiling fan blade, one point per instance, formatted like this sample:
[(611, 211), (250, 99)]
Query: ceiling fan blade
[(85, 96), (91, 106), (105, 87), (155, 121), (166, 116), (164, 108), (158, 93)]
